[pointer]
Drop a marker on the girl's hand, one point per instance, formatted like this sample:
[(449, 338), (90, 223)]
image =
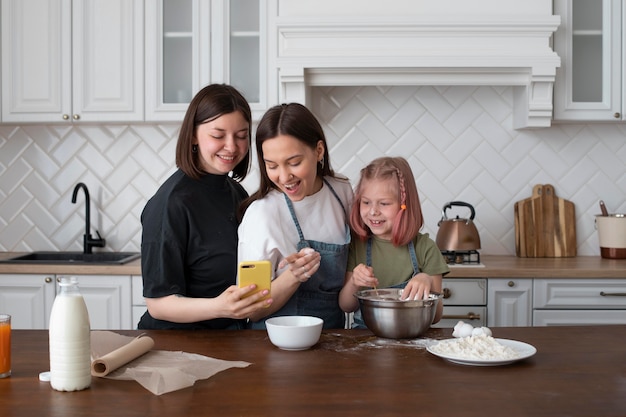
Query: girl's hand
[(363, 276), (303, 264), (418, 287)]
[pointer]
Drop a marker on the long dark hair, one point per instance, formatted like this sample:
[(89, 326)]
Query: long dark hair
[(208, 104), (294, 120)]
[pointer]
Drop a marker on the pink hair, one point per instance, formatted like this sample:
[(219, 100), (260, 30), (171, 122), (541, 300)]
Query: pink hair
[(409, 219)]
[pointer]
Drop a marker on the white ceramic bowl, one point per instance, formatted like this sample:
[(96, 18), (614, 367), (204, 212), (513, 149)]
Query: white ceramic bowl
[(294, 332)]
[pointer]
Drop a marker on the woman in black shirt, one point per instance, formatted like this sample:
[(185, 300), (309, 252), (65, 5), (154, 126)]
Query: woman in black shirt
[(189, 241)]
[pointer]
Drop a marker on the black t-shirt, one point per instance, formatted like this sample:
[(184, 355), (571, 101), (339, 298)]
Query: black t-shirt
[(189, 242)]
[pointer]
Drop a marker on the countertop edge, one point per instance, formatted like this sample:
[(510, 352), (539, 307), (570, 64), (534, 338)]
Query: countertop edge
[(131, 268), (495, 266), (504, 266)]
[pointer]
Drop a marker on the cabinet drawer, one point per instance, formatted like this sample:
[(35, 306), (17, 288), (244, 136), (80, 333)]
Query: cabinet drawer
[(579, 294), (464, 291), (474, 315), (578, 317)]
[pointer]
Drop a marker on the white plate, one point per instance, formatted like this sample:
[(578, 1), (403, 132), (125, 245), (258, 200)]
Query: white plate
[(523, 349)]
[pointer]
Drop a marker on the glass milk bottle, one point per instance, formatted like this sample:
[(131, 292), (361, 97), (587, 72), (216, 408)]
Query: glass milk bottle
[(70, 348)]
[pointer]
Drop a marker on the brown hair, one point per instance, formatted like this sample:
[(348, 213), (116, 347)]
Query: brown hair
[(294, 120), (409, 219), (208, 104)]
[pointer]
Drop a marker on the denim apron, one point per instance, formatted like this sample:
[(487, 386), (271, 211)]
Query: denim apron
[(319, 295), (358, 318)]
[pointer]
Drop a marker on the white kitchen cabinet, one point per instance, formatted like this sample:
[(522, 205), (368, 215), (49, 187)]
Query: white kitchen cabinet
[(579, 302), (588, 84), (108, 299), (464, 299), (192, 43), (72, 60), (139, 303), (509, 302), (578, 317), (29, 298)]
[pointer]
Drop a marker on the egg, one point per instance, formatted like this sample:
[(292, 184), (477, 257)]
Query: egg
[(466, 330), (481, 331), (457, 328), (478, 331), (462, 329)]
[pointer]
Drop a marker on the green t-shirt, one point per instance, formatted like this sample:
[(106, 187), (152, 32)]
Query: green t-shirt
[(392, 264)]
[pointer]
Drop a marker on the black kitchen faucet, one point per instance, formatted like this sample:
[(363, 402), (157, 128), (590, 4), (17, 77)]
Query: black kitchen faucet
[(88, 241)]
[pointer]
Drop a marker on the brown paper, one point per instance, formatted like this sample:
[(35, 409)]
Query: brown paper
[(121, 356), (158, 371)]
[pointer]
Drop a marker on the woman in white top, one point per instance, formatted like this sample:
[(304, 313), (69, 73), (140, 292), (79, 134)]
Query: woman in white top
[(298, 218)]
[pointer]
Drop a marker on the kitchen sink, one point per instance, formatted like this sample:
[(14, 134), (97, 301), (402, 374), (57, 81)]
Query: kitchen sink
[(74, 258)]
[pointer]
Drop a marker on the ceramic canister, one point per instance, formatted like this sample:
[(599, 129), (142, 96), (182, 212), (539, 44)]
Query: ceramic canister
[(612, 235)]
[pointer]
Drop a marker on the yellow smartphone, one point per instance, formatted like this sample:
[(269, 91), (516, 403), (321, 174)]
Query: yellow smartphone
[(255, 272)]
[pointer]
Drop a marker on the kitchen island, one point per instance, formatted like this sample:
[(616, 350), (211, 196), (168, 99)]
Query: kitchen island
[(577, 371)]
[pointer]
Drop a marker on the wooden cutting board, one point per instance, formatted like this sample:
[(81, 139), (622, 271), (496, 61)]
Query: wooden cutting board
[(545, 225)]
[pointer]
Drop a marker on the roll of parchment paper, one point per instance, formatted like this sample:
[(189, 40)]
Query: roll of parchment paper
[(121, 356)]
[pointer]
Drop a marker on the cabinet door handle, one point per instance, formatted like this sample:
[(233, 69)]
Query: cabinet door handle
[(468, 316), (613, 294), (48, 280)]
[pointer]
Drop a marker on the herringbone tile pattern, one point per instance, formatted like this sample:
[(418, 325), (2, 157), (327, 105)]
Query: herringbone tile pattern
[(461, 146), (458, 140)]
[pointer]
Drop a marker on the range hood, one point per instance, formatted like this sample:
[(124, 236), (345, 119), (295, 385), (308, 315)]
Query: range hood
[(502, 47)]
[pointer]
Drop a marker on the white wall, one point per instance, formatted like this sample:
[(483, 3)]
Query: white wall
[(459, 141)]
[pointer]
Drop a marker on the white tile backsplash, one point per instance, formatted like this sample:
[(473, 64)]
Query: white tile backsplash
[(459, 141)]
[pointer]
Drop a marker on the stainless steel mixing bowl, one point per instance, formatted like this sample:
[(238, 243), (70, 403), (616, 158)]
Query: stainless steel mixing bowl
[(386, 315)]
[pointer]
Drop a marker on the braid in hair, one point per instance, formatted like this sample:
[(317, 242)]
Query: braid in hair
[(402, 189), (401, 218)]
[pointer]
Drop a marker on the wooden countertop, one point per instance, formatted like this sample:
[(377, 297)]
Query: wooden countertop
[(577, 371), (494, 267), (130, 268), (514, 267)]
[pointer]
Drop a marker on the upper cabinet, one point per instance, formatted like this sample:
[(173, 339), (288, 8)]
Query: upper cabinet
[(192, 43), (589, 41), (72, 60)]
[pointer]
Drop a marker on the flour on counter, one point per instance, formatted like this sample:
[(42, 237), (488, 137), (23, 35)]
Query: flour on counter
[(346, 343), (480, 347)]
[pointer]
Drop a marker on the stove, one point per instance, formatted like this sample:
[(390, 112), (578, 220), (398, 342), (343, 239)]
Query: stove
[(462, 258)]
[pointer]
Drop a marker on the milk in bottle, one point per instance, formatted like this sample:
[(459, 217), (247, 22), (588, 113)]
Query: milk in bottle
[(70, 349)]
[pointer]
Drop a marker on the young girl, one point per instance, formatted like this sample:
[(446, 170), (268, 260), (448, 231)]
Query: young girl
[(389, 250), (298, 219)]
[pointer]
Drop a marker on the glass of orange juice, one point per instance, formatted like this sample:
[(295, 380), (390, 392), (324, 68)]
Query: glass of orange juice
[(5, 345)]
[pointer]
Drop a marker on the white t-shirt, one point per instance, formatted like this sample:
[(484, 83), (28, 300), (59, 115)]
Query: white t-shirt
[(267, 230)]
